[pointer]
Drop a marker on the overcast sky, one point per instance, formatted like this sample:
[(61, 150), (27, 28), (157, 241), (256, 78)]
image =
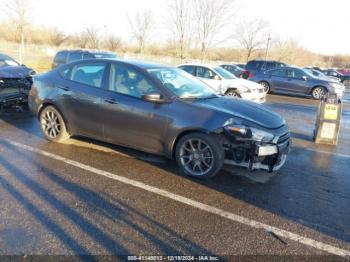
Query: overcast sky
[(321, 26)]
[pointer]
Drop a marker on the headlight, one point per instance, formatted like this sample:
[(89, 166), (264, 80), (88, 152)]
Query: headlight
[(248, 132), (262, 136)]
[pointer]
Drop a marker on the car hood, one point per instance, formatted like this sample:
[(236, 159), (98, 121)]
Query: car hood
[(241, 83), (15, 71), (246, 110)]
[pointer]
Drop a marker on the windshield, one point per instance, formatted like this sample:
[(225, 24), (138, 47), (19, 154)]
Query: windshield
[(182, 84), (7, 61), (224, 73)]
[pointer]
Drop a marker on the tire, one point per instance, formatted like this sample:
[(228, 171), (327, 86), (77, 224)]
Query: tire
[(266, 85), (318, 92), (232, 93), (53, 125), (346, 83), (199, 155)]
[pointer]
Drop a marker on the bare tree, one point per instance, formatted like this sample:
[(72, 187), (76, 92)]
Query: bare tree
[(18, 13), (252, 35), (92, 37), (141, 26), (211, 18), (113, 43), (56, 37), (179, 22)]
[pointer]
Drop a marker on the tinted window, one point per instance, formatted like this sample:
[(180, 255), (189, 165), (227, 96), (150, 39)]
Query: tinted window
[(128, 81), (61, 58), (189, 69), (75, 56), (205, 73), (88, 56), (87, 73), (279, 72), (254, 65)]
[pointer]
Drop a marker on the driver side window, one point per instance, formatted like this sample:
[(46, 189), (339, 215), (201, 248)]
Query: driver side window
[(128, 81), (205, 73), (297, 74)]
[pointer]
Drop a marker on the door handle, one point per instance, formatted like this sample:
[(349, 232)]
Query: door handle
[(64, 88), (111, 101)]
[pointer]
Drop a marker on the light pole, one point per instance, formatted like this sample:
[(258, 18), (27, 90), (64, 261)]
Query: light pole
[(267, 47)]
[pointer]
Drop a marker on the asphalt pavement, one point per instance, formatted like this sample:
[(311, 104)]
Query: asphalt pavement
[(90, 198)]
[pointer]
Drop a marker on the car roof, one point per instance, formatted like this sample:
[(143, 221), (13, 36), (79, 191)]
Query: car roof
[(85, 51), (4, 56), (199, 64), (139, 63)]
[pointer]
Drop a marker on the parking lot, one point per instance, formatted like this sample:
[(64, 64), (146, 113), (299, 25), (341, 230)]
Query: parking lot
[(86, 197)]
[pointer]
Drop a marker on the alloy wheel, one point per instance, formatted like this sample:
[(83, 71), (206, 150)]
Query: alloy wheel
[(266, 86), (318, 93), (197, 157), (51, 124)]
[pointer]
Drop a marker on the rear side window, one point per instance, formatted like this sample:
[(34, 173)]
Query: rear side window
[(88, 56), (86, 73), (254, 65), (60, 58), (279, 72), (189, 69), (74, 56)]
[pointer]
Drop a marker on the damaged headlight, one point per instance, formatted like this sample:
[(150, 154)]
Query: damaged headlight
[(248, 132)]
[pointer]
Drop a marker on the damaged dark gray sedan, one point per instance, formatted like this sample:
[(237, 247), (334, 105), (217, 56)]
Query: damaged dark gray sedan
[(161, 110), (15, 81)]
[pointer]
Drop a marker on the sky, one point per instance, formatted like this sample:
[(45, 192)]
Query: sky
[(321, 26)]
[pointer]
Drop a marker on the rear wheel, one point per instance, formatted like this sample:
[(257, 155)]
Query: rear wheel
[(53, 125), (267, 88), (199, 155), (318, 92)]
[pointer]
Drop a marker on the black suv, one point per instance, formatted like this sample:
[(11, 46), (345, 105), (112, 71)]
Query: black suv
[(66, 56), (256, 66)]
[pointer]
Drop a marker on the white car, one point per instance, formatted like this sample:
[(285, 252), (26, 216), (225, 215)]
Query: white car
[(226, 83)]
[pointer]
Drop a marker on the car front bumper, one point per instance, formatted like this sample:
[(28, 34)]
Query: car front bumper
[(268, 157), (257, 97)]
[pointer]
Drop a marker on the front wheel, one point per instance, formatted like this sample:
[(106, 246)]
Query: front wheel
[(199, 155), (53, 125), (266, 86), (318, 92), (232, 93)]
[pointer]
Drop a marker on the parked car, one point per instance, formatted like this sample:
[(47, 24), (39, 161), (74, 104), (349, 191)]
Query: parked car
[(233, 69), (67, 56), (258, 66), (320, 74), (160, 110), (345, 79), (15, 81), (225, 83), (296, 81), (241, 65)]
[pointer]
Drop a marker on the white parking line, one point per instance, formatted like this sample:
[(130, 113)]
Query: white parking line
[(210, 209)]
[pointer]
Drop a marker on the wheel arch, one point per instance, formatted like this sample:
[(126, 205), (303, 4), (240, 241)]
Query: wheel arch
[(49, 103), (182, 134)]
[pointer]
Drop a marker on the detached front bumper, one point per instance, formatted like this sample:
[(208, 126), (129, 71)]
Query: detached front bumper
[(267, 157)]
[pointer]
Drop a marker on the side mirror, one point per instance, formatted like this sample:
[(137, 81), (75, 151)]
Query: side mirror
[(153, 97), (304, 78)]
